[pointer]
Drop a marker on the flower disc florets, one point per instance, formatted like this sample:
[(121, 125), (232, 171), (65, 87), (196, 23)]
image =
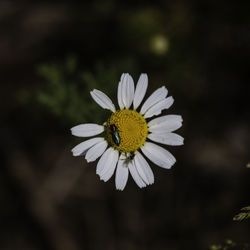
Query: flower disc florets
[(132, 128)]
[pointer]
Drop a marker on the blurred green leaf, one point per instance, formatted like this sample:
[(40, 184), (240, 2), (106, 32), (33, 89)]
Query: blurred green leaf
[(230, 245), (65, 89)]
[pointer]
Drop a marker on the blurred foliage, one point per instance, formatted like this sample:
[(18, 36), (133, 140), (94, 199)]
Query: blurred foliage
[(65, 85), (245, 214), (245, 211), (65, 89), (230, 245)]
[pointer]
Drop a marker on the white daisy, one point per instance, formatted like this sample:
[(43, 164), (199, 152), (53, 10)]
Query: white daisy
[(126, 133)]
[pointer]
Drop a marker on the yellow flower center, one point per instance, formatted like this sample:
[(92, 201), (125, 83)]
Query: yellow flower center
[(130, 130)]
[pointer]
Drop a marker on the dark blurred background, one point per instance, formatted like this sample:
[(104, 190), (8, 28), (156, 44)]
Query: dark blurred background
[(53, 54)]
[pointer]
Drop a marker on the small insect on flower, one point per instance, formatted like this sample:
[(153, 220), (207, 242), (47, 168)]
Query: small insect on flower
[(131, 133), (129, 157), (115, 134)]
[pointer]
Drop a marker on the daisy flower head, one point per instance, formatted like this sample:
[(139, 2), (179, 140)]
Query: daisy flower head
[(129, 134)]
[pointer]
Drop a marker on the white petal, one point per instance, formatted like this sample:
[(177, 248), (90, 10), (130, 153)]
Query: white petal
[(104, 159), (96, 151), (144, 169), (124, 78), (88, 129), (110, 169), (158, 107), (127, 88), (155, 97), (121, 176), (163, 124), (140, 90), (168, 138), (119, 93), (102, 99), (106, 165), (137, 178), (158, 155), (84, 146)]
